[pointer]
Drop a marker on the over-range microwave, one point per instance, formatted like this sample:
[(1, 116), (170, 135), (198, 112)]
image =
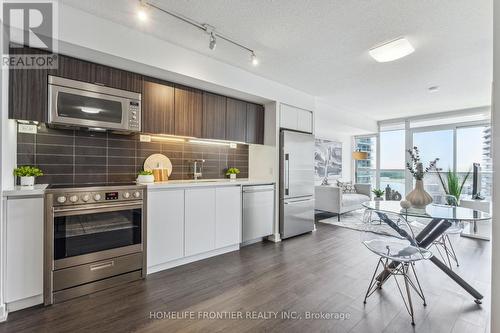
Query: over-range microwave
[(80, 104)]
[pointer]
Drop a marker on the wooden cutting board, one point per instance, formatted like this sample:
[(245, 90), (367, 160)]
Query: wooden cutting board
[(158, 161)]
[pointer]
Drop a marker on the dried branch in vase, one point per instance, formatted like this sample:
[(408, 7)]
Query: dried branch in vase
[(415, 167)]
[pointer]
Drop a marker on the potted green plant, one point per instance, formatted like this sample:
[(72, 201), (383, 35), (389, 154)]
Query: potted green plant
[(453, 186), (232, 172), (27, 174), (378, 194), (145, 177)]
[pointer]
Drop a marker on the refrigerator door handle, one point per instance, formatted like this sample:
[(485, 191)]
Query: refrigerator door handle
[(287, 174), (298, 201)]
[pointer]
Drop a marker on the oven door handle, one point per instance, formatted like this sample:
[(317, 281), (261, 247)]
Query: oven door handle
[(96, 208), (103, 265)]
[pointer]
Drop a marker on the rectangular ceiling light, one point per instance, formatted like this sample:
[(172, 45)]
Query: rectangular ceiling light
[(392, 50)]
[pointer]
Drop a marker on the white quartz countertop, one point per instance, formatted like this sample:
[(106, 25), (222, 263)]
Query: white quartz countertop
[(24, 191), (39, 189), (207, 182)]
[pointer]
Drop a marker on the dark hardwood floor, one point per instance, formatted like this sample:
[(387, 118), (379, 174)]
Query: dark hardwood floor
[(327, 271)]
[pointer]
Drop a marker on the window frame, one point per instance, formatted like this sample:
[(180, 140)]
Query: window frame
[(454, 127), (377, 143)]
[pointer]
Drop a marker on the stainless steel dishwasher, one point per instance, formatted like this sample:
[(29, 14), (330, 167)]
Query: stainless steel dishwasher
[(258, 212)]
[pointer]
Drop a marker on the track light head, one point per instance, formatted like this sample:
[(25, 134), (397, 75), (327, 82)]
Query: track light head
[(255, 60), (213, 42), (142, 11)]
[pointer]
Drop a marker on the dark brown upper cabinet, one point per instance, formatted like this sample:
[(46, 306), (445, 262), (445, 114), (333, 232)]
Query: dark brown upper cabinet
[(85, 71), (214, 116), (157, 107), (117, 78), (74, 69), (236, 120), (28, 90), (255, 123), (188, 111), (166, 109)]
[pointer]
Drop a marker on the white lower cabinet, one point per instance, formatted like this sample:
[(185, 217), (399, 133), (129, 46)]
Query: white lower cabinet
[(165, 229), (199, 223), (24, 248), (189, 224), (227, 216)]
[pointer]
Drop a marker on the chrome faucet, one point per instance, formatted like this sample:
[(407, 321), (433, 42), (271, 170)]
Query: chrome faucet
[(197, 167)]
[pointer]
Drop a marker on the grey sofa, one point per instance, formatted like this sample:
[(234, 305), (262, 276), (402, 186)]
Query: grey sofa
[(329, 198)]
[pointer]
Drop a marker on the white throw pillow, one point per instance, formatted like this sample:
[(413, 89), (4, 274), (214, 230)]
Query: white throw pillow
[(346, 187)]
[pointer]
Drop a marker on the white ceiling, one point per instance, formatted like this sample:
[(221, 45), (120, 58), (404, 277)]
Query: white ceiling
[(321, 47)]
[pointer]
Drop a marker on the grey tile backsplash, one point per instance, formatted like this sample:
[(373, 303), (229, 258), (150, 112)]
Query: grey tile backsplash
[(78, 156)]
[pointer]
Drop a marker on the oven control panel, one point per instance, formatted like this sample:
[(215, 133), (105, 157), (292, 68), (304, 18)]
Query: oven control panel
[(111, 196), (90, 197)]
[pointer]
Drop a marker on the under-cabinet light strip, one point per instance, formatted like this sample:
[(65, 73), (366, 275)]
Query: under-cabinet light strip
[(190, 140), (210, 142)]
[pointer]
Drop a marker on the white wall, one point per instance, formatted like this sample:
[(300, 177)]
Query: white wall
[(334, 124), (332, 119), (495, 233), (261, 162), (3, 165)]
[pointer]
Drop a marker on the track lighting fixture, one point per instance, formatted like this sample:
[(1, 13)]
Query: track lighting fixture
[(142, 15), (213, 42)]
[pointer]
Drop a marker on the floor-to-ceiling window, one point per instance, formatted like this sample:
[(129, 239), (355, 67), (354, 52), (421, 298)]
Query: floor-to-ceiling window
[(392, 160), (366, 170), (458, 148), (473, 146), (458, 139), (434, 144)]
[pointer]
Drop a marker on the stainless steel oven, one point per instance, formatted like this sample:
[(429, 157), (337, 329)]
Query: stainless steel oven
[(94, 239), (81, 104)]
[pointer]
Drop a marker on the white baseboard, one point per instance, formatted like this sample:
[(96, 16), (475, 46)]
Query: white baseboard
[(252, 241), (190, 259), (3, 313), (24, 303), (274, 238)]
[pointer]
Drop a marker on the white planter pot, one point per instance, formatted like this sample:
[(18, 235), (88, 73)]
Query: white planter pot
[(232, 176), (378, 198), (145, 179), (27, 181)]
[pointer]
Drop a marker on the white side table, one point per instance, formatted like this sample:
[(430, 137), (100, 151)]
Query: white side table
[(477, 230)]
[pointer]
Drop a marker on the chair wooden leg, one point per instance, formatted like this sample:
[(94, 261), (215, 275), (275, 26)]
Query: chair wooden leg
[(338, 217)]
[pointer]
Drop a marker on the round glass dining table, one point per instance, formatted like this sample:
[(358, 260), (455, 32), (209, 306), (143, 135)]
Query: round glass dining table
[(439, 218), (432, 211)]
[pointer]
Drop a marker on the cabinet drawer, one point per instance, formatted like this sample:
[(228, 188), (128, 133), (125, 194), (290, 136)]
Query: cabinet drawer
[(74, 276)]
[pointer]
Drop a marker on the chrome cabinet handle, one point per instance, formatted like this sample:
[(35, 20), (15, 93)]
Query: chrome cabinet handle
[(255, 191), (287, 174), (297, 201), (102, 265)]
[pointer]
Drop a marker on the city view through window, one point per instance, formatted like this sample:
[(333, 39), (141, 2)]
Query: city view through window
[(457, 150)]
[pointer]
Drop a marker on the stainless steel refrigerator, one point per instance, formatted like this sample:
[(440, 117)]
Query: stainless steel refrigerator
[(296, 183)]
